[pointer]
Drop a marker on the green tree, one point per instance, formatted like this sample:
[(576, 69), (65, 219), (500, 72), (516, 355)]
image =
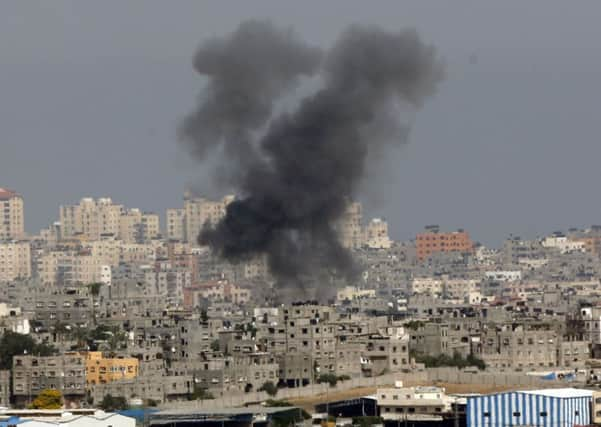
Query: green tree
[(200, 393), (113, 403), (331, 379), (94, 289), (48, 399), (215, 345), (270, 388), (13, 344)]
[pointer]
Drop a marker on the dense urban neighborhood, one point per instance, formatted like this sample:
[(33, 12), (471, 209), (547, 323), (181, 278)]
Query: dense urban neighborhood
[(112, 310)]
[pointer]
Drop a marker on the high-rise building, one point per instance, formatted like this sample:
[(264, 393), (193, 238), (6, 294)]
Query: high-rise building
[(93, 219), (15, 261), (175, 224), (432, 241), (12, 225), (185, 224), (349, 226)]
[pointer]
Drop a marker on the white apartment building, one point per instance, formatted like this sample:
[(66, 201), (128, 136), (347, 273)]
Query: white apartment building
[(12, 224), (15, 261), (563, 244)]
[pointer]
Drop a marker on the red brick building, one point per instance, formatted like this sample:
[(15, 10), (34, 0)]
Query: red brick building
[(432, 240)]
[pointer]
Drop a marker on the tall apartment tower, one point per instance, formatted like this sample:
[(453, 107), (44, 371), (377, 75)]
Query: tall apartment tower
[(201, 211), (349, 226), (12, 224), (93, 219)]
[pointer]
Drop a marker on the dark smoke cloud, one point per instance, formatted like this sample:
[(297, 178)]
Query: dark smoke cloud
[(308, 164), (247, 71)]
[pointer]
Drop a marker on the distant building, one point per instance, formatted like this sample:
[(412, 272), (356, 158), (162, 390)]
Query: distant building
[(349, 226), (433, 241), (175, 224), (399, 403), (12, 224), (376, 235), (185, 224), (15, 261), (32, 374), (93, 219)]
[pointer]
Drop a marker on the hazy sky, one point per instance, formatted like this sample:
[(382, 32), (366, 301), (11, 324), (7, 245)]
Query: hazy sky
[(91, 94)]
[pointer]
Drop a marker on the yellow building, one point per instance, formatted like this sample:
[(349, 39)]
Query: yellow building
[(102, 370)]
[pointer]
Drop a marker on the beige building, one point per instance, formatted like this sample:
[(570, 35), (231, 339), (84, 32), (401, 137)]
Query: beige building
[(12, 224), (200, 211), (94, 219), (349, 226), (90, 218), (376, 234), (175, 224), (138, 226), (15, 261), (427, 286), (71, 268)]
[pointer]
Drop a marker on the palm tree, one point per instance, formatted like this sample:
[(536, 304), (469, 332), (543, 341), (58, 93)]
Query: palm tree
[(94, 289)]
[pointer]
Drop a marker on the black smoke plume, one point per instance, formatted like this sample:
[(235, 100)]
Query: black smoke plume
[(296, 178)]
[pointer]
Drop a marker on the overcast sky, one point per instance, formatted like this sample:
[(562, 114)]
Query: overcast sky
[(91, 93)]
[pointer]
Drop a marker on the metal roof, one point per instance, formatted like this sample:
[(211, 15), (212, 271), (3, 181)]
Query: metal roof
[(560, 392)]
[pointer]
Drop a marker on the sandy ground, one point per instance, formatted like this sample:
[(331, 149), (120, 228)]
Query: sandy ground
[(309, 402)]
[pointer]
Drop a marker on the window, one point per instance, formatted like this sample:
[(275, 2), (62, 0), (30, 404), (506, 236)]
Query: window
[(543, 414), (517, 414)]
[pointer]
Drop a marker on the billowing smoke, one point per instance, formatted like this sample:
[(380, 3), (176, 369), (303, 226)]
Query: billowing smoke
[(296, 172)]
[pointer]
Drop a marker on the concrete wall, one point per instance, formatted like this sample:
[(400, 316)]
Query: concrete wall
[(428, 376)]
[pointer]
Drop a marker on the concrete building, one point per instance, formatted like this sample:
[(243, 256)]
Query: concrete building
[(32, 374), (432, 241), (519, 346), (15, 261), (12, 224), (401, 403)]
